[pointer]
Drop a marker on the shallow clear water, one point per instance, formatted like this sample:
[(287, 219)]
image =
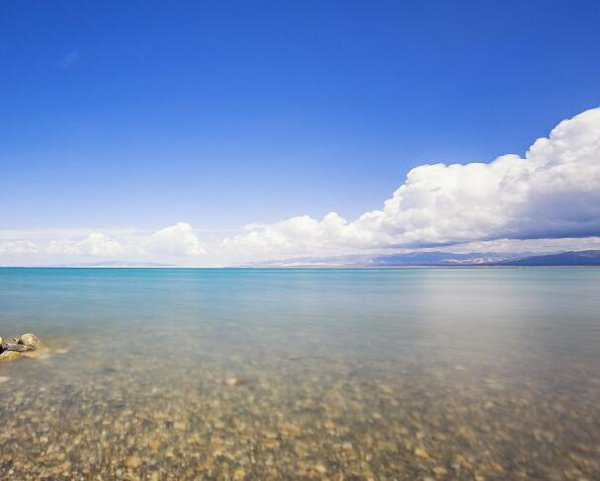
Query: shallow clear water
[(474, 374)]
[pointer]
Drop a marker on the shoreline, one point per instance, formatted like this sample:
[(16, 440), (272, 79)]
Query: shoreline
[(333, 267)]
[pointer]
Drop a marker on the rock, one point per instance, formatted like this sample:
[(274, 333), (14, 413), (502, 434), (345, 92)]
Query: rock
[(9, 356), (154, 444), (440, 471), (30, 340), (4, 379), (234, 382), (25, 344), (421, 453), (133, 462)]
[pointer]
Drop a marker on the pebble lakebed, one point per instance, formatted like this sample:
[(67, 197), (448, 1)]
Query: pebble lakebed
[(132, 414)]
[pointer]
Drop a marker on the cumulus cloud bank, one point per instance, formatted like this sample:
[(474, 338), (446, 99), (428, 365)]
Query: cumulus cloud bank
[(173, 242), (551, 193), (176, 240)]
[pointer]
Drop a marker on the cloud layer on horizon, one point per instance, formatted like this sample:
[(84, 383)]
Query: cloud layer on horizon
[(176, 241), (553, 192)]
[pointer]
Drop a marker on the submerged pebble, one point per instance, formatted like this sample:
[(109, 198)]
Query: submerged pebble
[(133, 462), (234, 381)]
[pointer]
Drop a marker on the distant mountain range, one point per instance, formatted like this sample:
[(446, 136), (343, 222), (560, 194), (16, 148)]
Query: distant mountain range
[(444, 259), (580, 258), (410, 259)]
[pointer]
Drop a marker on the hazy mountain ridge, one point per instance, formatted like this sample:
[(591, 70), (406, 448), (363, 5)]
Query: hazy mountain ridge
[(571, 258), (443, 259), (410, 259)]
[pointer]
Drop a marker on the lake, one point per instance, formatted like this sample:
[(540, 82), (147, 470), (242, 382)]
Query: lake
[(307, 374)]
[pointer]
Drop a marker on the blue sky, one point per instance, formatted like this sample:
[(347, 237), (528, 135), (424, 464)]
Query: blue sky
[(140, 115)]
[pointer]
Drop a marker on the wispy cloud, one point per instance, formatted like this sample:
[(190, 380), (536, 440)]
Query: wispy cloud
[(69, 59)]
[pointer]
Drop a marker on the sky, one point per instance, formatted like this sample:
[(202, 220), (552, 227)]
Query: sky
[(210, 133)]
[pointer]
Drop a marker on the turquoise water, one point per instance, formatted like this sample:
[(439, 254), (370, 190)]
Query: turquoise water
[(302, 374)]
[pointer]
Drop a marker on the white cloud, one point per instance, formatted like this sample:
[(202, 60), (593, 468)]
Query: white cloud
[(302, 233), (176, 240), (18, 247), (95, 244), (554, 191), (548, 199), (98, 244)]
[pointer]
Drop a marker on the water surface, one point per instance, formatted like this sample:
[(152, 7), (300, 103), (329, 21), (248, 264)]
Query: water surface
[(173, 374)]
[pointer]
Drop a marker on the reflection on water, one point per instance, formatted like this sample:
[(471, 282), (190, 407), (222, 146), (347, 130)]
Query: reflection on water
[(302, 374)]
